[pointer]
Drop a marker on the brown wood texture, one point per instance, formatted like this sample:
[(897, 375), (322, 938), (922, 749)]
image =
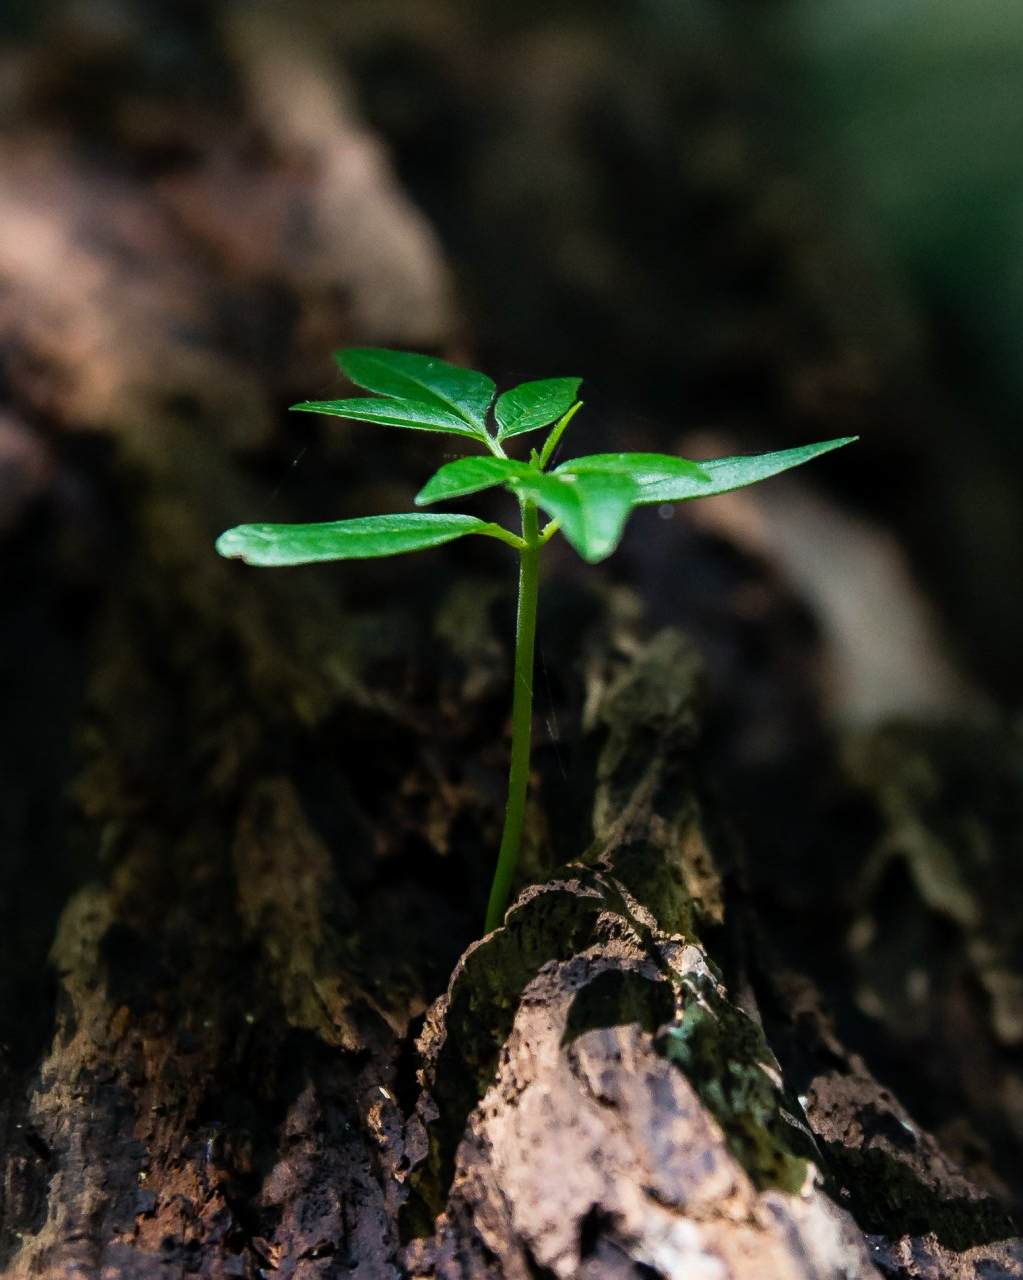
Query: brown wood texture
[(247, 1029)]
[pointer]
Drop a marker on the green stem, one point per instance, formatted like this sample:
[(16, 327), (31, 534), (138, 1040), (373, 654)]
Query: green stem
[(522, 718)]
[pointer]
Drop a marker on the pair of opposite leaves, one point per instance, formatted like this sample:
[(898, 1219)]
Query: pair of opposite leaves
[(590, 498)]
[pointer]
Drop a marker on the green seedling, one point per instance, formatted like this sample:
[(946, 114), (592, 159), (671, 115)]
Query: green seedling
[(587, 499)]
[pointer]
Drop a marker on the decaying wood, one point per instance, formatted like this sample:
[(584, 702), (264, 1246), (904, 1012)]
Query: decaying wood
[(221, 1092), (286, 793), (634, 1112)]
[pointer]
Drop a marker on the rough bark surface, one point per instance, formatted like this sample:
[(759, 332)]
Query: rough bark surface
[(248, 818)]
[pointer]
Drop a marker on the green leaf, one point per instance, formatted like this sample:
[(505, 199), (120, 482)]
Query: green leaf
[(423, 379), (469, 475), (643, 468), (359, 539), (725, 474), (534, 404), (591, 509), (392, 413)]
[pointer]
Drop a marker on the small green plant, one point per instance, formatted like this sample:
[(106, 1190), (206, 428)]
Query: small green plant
[(588, 499)]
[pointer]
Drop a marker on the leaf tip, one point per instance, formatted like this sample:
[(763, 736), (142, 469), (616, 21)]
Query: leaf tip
[(230, 544), (343, 354)]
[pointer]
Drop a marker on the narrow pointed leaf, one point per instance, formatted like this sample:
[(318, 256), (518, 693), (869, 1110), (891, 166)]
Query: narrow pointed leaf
[(393, 413), (643, 468), (534, 404), (359, 539), (725, 474), (591, 509), (423, 379), (469, 475)]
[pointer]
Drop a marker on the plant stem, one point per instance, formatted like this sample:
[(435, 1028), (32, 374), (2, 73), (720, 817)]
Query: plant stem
[(522, 717)]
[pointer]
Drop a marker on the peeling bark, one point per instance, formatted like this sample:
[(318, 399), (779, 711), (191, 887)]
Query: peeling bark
[(278, 817)]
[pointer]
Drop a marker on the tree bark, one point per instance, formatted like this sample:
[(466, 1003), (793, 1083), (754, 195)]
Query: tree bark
[(266, 856)]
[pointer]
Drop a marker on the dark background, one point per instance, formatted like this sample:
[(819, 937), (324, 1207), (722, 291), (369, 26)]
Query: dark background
[(746, 226)]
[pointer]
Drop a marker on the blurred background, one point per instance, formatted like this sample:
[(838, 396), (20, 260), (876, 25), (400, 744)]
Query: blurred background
[(746, 226)]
